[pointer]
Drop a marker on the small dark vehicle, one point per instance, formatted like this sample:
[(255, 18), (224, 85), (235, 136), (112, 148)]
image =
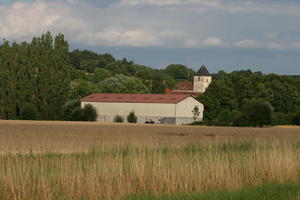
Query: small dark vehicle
[(149, 122)]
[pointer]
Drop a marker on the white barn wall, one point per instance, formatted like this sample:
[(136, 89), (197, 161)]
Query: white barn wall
[(144, 111), (184, 114)]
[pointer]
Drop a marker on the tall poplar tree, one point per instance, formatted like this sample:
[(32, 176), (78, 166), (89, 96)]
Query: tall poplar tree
[(34, 73)]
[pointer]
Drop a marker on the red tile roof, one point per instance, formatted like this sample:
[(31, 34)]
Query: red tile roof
[(184, 86), (136, 98), (191, 93)]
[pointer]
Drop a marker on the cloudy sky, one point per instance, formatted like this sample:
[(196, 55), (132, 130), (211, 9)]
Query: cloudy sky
[(263, 35)]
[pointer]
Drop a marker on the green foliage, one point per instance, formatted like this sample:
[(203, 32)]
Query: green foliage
[(89, 113), (241, 120), (79, 74), (113, 84), (76, 57), (211, 107), (259, 112), (101, 74), (28, 112), (81, 88), (72, 111), (134, 86), (196, 112), (179, 72), (118, 119), (296, 118), (225, 118), (44, 74), (283, 118), (233, 91), (131, 118), (35, 72), (274, 191)]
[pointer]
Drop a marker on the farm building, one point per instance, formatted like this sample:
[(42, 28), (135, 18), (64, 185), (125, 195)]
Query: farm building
[(202, 80), (159, 108)]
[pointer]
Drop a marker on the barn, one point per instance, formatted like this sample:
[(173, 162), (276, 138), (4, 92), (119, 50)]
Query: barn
[(159, 108)]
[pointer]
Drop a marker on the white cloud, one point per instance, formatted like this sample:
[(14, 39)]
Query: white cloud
[(266, 45), (213, 41), (296, 45), (137, 38), (23, 20), (248, 44), (172, 23), (213, 3)]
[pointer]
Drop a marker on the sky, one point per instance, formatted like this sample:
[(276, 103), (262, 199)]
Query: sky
[(261, 35)]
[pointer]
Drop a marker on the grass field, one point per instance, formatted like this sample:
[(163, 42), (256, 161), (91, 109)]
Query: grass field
[(74, 160)]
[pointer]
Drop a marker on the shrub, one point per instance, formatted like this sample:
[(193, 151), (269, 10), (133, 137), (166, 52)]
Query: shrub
[(72, 111), (282, 119), (89, 113), (241, 121), (77, 114), (258, 112), (28, 112), (131, 118), (118, 119), (224, 118), (296, 118)]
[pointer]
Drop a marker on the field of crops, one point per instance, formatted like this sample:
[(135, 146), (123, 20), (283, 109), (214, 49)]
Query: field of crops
[(74, 160)]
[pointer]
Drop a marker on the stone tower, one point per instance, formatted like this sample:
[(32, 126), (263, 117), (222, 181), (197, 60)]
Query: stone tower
[(202, 80)]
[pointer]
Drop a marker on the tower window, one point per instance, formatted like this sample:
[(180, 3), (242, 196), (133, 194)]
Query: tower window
[(199, 78)]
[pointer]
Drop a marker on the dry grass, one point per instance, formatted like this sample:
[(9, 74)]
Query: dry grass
[(66, 137), (68, 160), (287, 126)]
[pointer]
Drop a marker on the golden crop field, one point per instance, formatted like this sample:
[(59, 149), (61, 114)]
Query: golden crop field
[(81, 160)]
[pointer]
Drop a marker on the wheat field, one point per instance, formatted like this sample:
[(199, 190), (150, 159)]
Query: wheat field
[(77, 160)]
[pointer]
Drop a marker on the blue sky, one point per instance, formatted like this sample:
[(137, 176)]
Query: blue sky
[(263, 35)]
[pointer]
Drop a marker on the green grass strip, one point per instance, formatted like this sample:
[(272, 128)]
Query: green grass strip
[(288, 191)]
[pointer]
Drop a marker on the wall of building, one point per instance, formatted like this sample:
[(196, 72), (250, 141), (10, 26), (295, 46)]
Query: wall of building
[(201, 83), (144, 111), (184, 114), (180, 113)]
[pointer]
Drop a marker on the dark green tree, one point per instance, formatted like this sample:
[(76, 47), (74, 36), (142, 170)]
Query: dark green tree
[(258, 112), (35, 73), (296, 118), (179, 72), (118, 119), (28, 112), (134, 86), (81, 88), (131, 118), (72, 111), (225, 118), (89, 113), (101, 74)]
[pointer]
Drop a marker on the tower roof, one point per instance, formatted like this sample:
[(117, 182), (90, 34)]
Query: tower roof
[(202, 71)]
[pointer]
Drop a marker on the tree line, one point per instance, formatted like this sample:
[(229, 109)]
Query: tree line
[(43, 80), (246, 98)]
